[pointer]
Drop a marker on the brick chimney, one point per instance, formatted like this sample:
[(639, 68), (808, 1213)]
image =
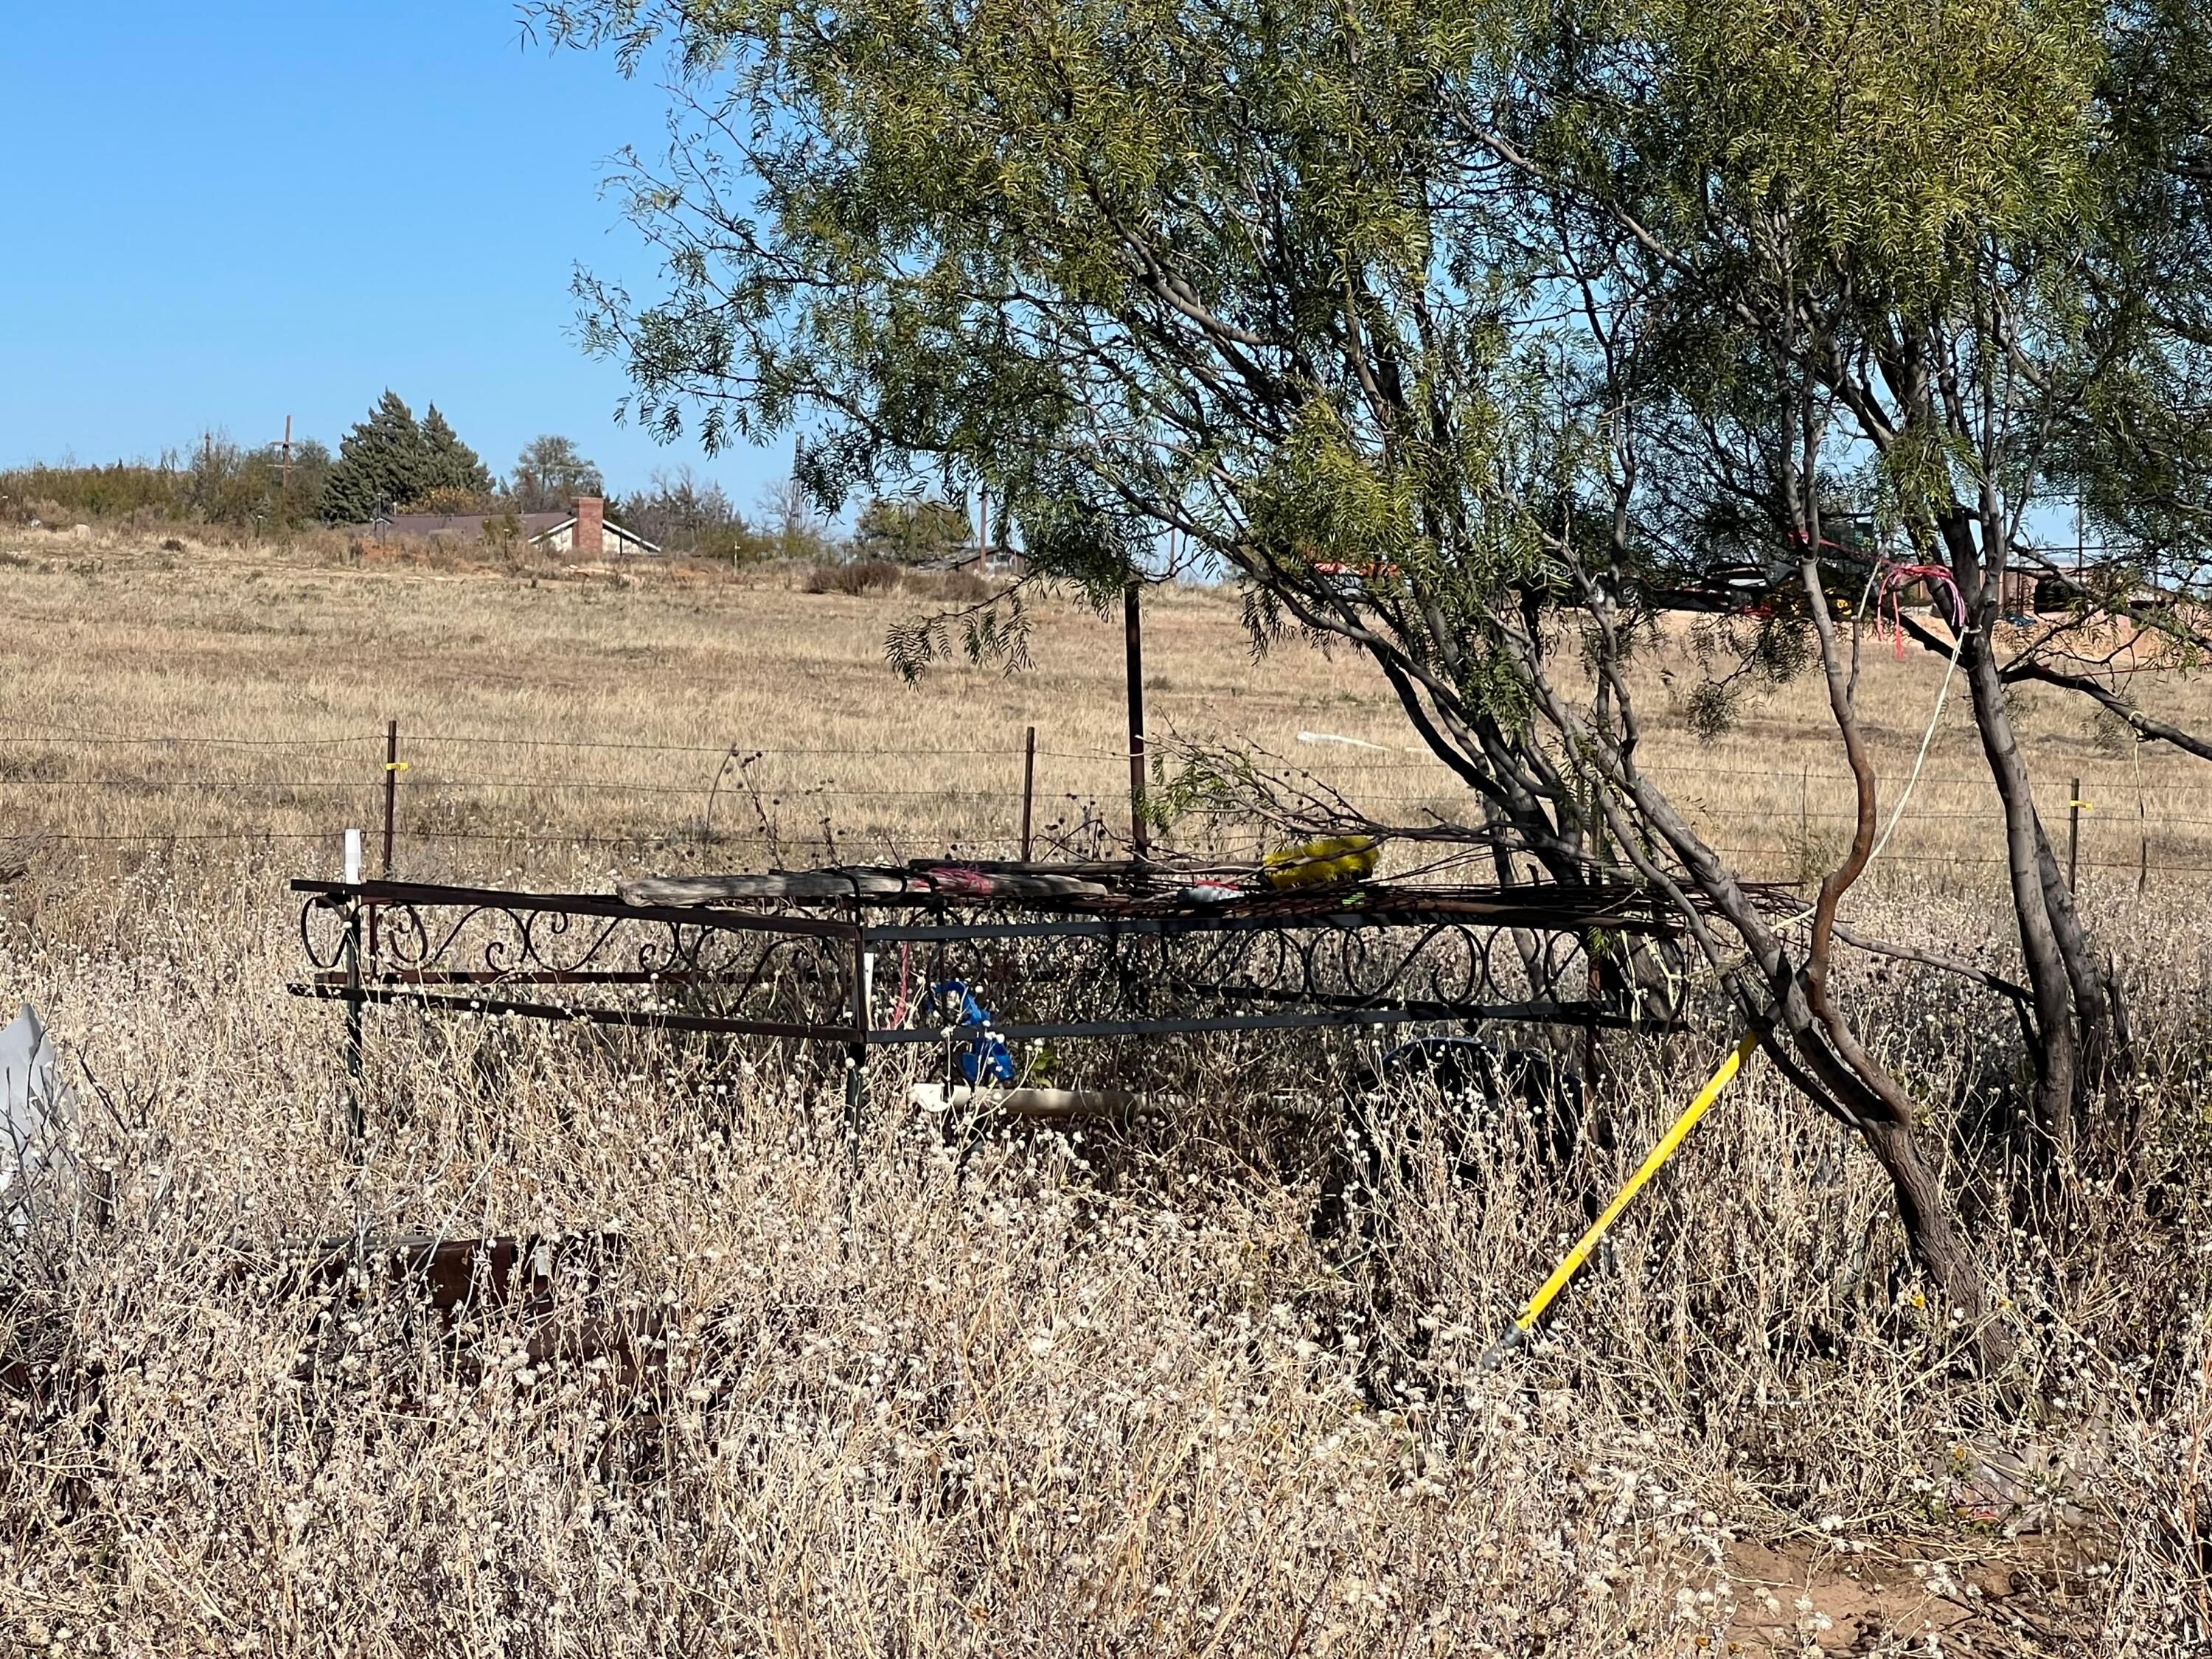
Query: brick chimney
[(591, 538)]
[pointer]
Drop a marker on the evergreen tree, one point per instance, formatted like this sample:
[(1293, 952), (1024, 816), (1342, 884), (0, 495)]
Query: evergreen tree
[(911, 532), (451, 470), (382, 464)]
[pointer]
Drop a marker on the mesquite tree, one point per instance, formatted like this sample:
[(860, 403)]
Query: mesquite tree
[(1469, 331)]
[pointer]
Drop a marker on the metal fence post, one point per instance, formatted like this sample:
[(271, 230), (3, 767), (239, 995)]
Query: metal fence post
[(1132, 640), (2073, 837), (391, 769), (856, 1052), (1029, 788), (2143, 828), (355, 1000)]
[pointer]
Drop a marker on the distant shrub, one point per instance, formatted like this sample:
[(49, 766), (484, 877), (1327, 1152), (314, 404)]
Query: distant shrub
[(57, 494), (681, 513), (457, 501), (218, 483), (171, 544), (951, 586), (851, 576), (734, 543)]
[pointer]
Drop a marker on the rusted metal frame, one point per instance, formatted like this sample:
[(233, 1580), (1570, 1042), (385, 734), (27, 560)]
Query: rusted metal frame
[(436, 932), (1634, 913), (1111, 933), (1173, 926), (1555, 910), (523, 976), (856, 1050), (352, 989), (1568, 1013), (1314, 1006), (461, 1280), (335, 893), (394, 996), (1407, 1013), (1399, 1014)]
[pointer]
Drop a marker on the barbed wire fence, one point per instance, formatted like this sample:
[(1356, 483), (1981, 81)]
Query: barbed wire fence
[(456, 801)]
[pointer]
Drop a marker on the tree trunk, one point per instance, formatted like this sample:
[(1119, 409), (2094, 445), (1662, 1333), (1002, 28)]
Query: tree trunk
[(1927, 1223), (2057, 1053)]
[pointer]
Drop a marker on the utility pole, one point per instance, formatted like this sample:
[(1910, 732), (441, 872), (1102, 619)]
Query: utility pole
[(286, 486)]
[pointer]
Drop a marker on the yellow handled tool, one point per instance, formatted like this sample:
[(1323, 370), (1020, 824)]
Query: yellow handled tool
[(1525, 1319), (1318, 863)]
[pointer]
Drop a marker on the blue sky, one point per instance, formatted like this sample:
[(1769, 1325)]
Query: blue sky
[(220, 215)]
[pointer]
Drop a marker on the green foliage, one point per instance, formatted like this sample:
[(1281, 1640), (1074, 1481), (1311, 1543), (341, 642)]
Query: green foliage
[(1283, 267), (121, 490), (1436, 319), (992, 630), (391, 463), (1431, 319), (1893, 137), (911, 532), (680, 514), (502, 531), (383, 464), (550, 473), (928, 161), (451, 469), (219, 483)]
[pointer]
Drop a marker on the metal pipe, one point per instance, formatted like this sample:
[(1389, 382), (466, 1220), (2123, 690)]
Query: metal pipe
[(856, 1053), (356, 996), (2074, 836), (1029, 789), (1426, 1013), (1132, 640), (391, 785)]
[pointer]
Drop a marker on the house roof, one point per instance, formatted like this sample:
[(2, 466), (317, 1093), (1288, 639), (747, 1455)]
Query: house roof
[(534, 526), (465, 524), (967, 554), (562, 521)]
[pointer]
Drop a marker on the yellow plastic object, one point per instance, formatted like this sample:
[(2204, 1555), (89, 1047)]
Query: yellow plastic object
[(1525, 1321), (1322, 863)]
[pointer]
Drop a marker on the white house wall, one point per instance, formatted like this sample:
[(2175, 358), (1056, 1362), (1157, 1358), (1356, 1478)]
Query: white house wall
[(614, 543)]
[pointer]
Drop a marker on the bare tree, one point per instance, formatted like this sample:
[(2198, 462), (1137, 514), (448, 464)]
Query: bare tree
[(795, 527)]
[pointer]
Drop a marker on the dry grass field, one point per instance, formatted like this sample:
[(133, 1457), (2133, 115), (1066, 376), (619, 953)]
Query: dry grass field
[(229, 693), (1069, 1394)]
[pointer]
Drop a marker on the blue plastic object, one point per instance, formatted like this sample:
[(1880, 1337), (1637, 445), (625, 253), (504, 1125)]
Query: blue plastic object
[(986, 1058)]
